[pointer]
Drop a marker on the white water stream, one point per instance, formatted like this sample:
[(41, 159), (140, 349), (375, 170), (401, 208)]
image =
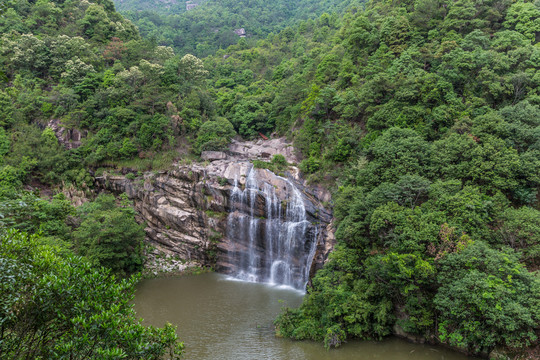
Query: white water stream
[(281, 244)]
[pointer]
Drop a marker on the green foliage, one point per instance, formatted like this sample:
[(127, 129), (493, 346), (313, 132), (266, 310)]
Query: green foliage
[(82, 70), (152, 132), (520, 229), (394, 67), (310, 165), (487, 298), (55, 308), (3, 7), (128, 149), (277, 165), (25, 211), (279, 160), (109, 236), (4, 145), (14, 177), (214, 135), (210, 26), (406, 234), (340, 305), (396, 152)]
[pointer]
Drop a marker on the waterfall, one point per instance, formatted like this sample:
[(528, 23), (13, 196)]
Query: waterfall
[(273, 242)]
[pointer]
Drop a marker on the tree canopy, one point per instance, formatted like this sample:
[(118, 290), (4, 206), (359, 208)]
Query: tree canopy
[(55, 307), (422, 117), (210, 26)]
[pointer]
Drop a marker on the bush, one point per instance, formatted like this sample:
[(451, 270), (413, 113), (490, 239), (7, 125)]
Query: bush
[(356, 308), (486, 297), (63, 308), (310, 165), (214, 135), (279, 160), (128, 149), (277, 165), (109, 236), (521, 231)]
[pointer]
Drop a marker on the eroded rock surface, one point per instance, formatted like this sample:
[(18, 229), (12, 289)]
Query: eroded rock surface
[(187, 208), (263, 149), (69, 138)]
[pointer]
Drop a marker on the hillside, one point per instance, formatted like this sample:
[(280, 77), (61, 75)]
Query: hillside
[(428, 118), (211, 25), (83, 69), (422, 118)]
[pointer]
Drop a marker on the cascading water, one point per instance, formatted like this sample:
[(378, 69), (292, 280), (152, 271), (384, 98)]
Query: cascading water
[(273, 240)]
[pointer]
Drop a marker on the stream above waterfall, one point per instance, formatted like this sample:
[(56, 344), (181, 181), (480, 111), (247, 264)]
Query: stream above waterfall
[(223, 319)]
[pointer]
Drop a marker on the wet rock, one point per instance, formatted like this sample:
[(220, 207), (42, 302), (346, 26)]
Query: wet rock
[(187, 208)]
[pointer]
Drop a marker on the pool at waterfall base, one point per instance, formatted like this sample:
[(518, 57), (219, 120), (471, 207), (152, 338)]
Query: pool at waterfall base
[(222, 318)]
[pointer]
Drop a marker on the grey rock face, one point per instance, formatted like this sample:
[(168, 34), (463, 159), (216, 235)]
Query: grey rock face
[(263, 149), (213, 155), (189, 209), (69, 138)]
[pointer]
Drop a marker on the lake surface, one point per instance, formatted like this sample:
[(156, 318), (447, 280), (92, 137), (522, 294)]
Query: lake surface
[(223, 319)]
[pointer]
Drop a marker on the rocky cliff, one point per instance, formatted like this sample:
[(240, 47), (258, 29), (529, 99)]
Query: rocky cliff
[(187, 209)]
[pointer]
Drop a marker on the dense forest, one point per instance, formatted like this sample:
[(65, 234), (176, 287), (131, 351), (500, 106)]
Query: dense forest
[(422, 117), (427, 115), (210, 26), (82, 65)]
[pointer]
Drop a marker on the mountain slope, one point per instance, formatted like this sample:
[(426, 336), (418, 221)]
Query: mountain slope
[(210, 26), (427, 116), (82, 68)]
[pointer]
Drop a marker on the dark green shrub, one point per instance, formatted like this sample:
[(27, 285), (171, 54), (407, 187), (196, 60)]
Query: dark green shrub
[(486, 297), (279, 160), (310, 165), (109, 235), (214, 135), (56, 307)]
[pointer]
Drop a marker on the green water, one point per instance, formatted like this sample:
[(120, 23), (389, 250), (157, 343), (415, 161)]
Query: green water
[(222, 319)]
